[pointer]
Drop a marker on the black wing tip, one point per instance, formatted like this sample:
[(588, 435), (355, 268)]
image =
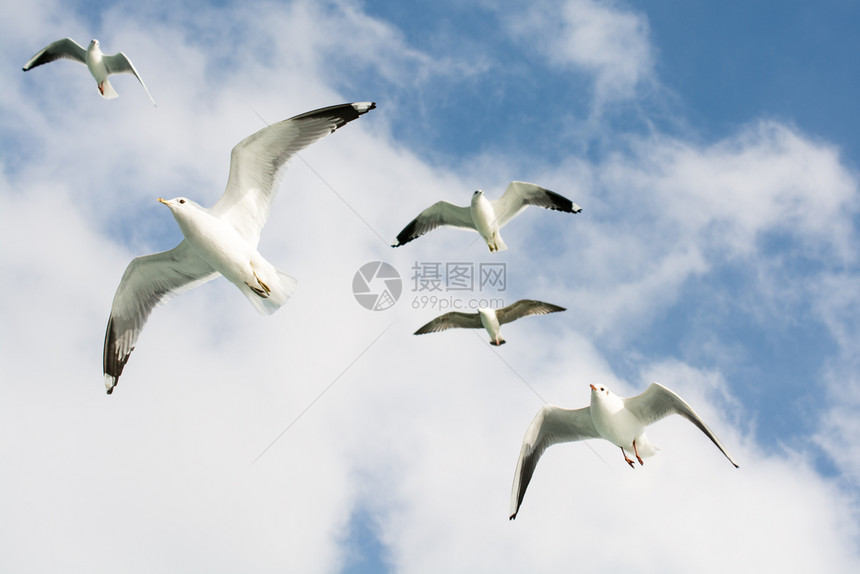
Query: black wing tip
[(111, 363), (408, 234), (363, 107), (513, 516), (559, 202), (343, 113), (111, 382)]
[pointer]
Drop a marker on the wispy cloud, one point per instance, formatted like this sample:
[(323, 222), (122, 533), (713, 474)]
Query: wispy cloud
[(608, 43)]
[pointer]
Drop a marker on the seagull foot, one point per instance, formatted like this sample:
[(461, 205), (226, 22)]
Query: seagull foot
[(627, 458), (639, 458), (263, 291), (262, 294)]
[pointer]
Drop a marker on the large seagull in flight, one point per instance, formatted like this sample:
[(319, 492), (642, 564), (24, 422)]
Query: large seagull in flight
[(620, 421), (223, 239)]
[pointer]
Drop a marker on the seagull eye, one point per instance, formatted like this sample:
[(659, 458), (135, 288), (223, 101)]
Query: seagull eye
[(182, 201)]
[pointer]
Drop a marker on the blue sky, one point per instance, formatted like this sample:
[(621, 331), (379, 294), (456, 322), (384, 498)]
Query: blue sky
[(714, 150)]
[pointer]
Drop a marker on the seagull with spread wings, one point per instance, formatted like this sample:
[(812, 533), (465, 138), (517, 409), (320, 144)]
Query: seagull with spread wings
[(620, 421), (100, 65), (485, 216), (488, 318), (223, 239)]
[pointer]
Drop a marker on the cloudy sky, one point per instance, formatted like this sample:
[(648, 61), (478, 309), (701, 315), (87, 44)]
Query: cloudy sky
[(714, 150)]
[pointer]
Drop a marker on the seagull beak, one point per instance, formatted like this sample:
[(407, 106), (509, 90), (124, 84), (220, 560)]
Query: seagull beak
[(593, 388), (164, 201)]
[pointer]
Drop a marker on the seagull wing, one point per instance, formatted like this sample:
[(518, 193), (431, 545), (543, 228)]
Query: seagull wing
[(66, 49), (454, 319), (120, 64), (658, 402), (256, 161), (552, 425), (147, 281), (520, 195), (439, 214), (524, 308)]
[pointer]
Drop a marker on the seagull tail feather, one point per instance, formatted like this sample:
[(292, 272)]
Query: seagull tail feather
[(281, 287), (107, 91), (497, 243)]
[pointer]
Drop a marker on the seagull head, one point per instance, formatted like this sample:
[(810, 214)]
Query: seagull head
[(599, 391), (94, 43), (176, 204), (184, 211), (478, 192)]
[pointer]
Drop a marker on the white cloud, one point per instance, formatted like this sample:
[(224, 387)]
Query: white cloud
[(662, 210), (609, 43)]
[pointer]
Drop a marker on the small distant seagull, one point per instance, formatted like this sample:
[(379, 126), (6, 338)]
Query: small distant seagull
[(489, 319), (620, 421), (223, 239), (485, 216), (100, 65)]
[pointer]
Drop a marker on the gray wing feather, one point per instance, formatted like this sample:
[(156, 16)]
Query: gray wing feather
[(520, 195), (454, 319), (147, 281), (256, 161), (658, 402), (550, 426), (66, 49), (439, 214), (120, 64), (524, 308)]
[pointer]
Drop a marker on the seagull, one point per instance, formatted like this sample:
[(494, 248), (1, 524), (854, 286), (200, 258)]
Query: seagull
[(620, 421), (100, 65), (223, 239), (485, 216), (490, 319)]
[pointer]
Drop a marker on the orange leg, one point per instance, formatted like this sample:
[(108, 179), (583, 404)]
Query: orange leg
[(639, 458), (626, 459)]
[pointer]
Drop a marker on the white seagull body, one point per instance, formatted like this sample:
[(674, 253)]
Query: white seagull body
[(485, 216), (620, 421), (221, 240), (489, 319), (100, 65)]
